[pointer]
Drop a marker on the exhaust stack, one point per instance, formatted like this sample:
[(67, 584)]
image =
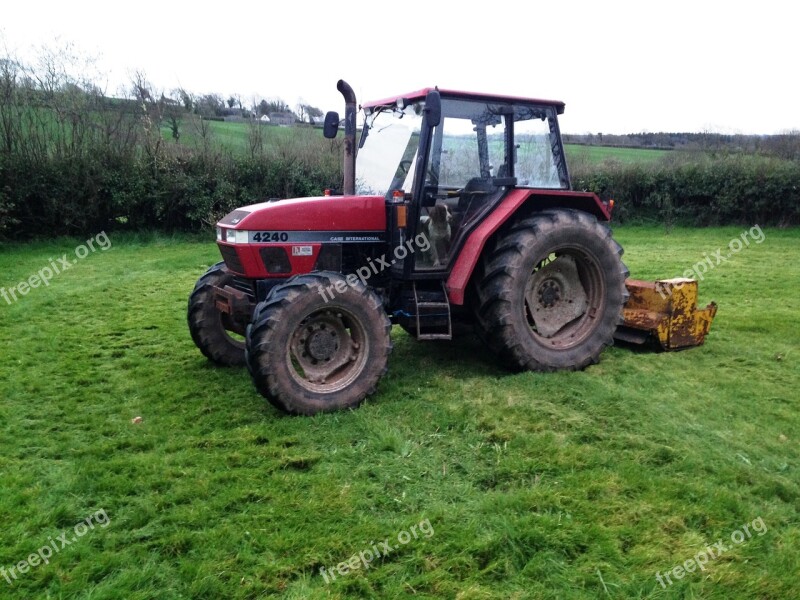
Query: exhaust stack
[(349, 137)]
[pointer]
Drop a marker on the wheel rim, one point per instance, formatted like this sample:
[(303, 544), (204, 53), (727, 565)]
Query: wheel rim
[(564, 298), (327, 350)]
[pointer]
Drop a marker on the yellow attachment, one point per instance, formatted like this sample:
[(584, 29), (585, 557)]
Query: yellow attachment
[(668, 311)]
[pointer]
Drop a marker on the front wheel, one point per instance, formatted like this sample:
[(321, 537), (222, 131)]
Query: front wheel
[(214, 332), (315, 347), (551, 294)]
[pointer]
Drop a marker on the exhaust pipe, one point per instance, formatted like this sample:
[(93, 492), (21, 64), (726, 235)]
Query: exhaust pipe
[(349, 137)]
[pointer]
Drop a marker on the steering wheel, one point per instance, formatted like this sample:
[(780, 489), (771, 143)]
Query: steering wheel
[(405, 166)]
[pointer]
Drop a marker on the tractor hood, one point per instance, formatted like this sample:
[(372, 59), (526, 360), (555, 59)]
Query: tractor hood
[(317, 219)]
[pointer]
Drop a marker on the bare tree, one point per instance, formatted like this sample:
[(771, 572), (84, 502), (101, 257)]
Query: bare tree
[(209, 105), (300, 109), (307, 113), (187, 99), (9, 117), (151, 114)]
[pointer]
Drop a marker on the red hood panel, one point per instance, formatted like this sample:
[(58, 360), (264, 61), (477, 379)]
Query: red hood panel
[(323, 213)]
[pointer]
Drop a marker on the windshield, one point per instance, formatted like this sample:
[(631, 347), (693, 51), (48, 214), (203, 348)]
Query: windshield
[(388, 150)]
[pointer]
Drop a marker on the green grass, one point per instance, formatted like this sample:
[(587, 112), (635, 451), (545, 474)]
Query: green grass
[(234, 136), (561, 485), (599, 154)]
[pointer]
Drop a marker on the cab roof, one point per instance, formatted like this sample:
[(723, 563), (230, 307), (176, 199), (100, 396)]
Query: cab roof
[(420, 94)]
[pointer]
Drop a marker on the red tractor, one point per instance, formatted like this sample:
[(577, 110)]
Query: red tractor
[(460, 211)]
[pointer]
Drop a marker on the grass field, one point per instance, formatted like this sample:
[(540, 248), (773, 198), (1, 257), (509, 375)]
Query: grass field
[(234, 137), (599, 154), (563, 485)]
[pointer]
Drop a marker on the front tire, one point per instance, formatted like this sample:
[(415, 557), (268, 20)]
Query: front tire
[(211, 330), (312, 348), (551, 294)]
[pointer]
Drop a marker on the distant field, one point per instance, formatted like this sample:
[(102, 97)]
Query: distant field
[(527, 485), (598, 154), (235, 137)]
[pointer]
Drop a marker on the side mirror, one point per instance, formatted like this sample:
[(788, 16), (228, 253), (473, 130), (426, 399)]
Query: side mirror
[(433, 108), (331, 127)]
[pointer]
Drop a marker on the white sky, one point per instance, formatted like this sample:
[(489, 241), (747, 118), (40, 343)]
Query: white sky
[(620, 66)]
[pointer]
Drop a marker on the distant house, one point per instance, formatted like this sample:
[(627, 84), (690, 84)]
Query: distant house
[(264, 119), (282, 118)]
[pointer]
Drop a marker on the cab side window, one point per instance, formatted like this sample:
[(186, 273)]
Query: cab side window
[(469, 146)]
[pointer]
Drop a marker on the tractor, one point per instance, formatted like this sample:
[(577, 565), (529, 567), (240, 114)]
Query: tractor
[(460, 214)]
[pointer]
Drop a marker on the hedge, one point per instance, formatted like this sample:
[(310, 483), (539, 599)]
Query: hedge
[(700, 190), (105, 191)]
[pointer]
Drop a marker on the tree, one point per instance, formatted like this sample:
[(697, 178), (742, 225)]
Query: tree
[(173, 112), (187, 99), (313, 113), (278, 105), (307, 113), (209, 105), (152, 112)]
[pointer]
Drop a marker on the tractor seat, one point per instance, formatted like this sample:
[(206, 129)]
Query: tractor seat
[(475, 192)]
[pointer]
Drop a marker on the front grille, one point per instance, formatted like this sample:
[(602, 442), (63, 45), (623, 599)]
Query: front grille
[(275, 260), (231, 258)]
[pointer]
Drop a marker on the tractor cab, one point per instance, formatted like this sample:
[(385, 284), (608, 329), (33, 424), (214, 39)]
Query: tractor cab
[(450, 157)]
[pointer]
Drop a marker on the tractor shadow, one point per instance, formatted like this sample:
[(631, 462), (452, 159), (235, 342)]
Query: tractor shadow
[(465, 353), (651, 346)]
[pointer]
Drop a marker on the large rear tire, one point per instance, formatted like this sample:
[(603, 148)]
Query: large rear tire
[(311, 350), (211, 330), (550, 295)]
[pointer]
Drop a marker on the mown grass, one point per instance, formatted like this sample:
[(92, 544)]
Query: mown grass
[(563, 485)]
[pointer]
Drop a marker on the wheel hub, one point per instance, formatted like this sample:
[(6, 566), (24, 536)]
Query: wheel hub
[(322, 347), (549, 293), (322, 344), (555, 296)]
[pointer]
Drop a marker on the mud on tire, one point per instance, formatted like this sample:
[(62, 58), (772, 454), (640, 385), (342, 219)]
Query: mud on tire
[(308, 355), (550, 295)]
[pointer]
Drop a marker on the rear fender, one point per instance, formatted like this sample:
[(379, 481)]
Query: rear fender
[(516, 201)]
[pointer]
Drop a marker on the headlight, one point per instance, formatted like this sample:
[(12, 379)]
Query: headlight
[(232, 236)]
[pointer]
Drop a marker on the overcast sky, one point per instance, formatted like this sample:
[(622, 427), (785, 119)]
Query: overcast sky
[(621, 67)]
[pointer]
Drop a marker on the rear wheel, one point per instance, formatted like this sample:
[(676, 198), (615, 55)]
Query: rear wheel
[(213, 331), (311, 351), (551, 294)]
